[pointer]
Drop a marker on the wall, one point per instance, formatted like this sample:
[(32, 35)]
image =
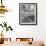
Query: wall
[(38, 32)]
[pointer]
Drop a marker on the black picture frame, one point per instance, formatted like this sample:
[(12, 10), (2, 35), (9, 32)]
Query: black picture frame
[(28, 13)]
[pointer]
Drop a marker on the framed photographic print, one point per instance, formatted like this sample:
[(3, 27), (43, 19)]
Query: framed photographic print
[(28, 13)]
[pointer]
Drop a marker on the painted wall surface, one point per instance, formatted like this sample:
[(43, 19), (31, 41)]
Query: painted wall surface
[(38, 32)]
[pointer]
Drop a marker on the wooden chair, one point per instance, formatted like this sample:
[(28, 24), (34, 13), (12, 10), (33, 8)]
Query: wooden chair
[(24, 39), (29, 40), (6, 39)]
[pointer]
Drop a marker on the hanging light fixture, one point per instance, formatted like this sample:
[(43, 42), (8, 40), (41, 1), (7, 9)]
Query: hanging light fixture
[(2, 9)]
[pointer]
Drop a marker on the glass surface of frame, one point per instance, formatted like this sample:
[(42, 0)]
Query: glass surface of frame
[(28, 13)]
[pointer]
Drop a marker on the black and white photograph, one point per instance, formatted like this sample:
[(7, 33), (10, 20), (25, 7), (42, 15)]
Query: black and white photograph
[(28, 13)]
